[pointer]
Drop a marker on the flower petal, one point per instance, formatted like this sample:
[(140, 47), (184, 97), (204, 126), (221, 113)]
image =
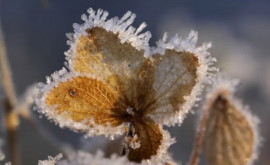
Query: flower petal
[(82, 103), (154, 142), (110, 49), (181, 69)]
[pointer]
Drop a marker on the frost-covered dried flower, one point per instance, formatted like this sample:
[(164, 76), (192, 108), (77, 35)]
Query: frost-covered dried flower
[(116, 81), (51, 160), (231, 136)]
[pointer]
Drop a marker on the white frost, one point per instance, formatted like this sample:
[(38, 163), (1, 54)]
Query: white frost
[(127, 33), (83, 158), (51, 160)]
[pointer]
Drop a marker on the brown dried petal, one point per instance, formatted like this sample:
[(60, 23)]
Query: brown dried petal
[(102, 54), (150, 138), (174, 78), (229, 137)]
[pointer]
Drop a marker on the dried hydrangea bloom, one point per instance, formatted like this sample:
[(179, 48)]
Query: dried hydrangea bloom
[(231, 136), (51, 160), (116, 82)]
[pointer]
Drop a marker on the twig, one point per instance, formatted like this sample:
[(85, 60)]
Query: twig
[(11, 118), (194, 160)]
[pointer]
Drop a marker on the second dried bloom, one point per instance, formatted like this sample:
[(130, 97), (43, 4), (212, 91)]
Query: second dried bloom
[(231, 136)]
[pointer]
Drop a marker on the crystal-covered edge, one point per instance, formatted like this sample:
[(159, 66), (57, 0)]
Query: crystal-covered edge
[(122, 27)]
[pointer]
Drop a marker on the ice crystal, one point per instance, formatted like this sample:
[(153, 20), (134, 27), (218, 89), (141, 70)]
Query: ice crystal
[(114, 79), (231, 135), (51, 160), (83, 158)]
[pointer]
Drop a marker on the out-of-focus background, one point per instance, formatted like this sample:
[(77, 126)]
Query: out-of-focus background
[(35, 37)]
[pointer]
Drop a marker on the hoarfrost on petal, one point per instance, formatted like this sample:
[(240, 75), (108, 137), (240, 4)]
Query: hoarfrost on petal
[(122, 26), (172, 74)]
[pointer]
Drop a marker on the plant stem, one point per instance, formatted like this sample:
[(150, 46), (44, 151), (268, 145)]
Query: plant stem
[(194, 160), (11, 118)]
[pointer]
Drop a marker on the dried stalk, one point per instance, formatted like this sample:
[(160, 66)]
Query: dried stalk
[(11, 118), (194, 160)]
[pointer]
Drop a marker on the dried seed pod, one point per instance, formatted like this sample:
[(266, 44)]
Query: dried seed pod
[(230, 132)]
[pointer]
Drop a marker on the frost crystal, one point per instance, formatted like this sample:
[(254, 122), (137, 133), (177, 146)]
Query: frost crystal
[(83, 158), (127, 33), (51, 160), (133, 142)]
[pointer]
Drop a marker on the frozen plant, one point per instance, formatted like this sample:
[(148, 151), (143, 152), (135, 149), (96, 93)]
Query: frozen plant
[(114, 83)]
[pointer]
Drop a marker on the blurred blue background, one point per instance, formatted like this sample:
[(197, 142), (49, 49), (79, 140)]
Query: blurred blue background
[(240, 32)]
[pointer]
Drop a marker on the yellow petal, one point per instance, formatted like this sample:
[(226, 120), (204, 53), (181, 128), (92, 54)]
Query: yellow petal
[(84, 98)]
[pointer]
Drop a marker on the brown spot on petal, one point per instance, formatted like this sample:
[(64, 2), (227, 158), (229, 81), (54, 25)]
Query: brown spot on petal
[(229, 137)]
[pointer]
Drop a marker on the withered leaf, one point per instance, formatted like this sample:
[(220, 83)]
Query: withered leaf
[(229, 136)]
